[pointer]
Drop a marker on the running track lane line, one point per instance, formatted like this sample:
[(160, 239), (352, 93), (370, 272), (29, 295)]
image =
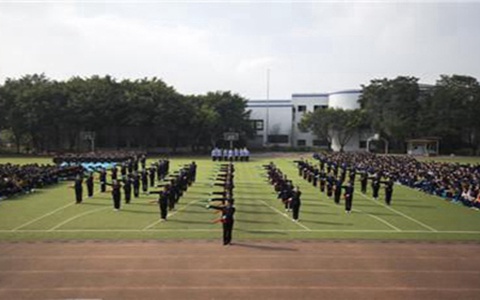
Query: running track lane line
[(48, 214), (76, 217), (283, 215), (170, 215), (239, 287), (400, 213)]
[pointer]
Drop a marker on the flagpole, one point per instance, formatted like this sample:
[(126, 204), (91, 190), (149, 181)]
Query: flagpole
[(268, 106)]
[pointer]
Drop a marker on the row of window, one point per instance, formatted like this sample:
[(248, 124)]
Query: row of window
[(303, 108)]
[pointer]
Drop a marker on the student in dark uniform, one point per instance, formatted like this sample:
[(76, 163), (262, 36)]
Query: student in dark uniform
[(163, 199), (388, 191), (127, 189), (375, 186), (89, 183), (323, 181), (337, 194), (144, 181), (103, 179), (116, 194), (151, 173), (349, 197), (136, 184), (78, 186), (363, 182), (295, 202), (330, 183), (227, 220)]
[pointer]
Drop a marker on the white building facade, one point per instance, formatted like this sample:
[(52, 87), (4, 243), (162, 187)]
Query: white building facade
[(276, 121)]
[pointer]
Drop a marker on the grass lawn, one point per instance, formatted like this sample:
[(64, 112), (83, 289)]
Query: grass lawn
[(51, 213)]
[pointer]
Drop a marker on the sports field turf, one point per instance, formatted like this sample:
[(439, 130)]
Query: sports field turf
[(51, 213)]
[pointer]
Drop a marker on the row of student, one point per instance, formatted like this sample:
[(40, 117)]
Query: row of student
[(176, 184), (287, 193), (223, 200), (459, 183), (21, 179), (235, 154)]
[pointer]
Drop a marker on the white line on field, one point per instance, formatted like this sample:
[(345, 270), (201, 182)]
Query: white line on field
[(170, 215), (49, 214), (282, 214), (76, 217), (44, 216), (399, 213), (379, 219)]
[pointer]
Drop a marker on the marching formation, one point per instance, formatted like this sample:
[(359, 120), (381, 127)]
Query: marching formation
[(287, 193), (225, 200), (174, 187)]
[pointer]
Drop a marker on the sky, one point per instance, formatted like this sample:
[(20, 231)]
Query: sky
[(196, 47)]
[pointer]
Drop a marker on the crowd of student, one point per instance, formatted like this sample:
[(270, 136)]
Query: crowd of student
[(98, 157), (236, 154), (459, 183), (21, 179)]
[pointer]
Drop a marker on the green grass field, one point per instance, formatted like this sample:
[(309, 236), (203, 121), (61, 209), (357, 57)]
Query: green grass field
[(52, 215)]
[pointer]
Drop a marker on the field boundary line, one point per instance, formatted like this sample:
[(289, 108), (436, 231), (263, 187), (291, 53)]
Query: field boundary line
[(44, 216), (399, 213), (76, 217), (284, 215), (170, 215)]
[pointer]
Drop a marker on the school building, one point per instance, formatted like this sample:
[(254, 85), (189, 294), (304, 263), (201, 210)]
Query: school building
[(276, 121)]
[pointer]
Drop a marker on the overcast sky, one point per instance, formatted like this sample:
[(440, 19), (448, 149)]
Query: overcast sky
[(200, 47)]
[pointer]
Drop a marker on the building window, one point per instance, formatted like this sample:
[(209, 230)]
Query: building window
[(315, 107), (302, 108), (362, 144), (320, 143), (257, 124), (301, 142), (278, 138)]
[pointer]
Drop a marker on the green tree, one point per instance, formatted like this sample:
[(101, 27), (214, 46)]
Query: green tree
[(392, 106)]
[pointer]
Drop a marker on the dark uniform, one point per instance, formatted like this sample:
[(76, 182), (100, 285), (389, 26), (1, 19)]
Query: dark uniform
[(127, 188), (89, 183), (103, 179), (388, 191), (227, 220), (349, 197), (116, 194), (295, 203), (78, 189)]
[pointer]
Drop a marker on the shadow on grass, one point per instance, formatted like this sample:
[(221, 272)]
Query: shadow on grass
[(324, 222), (413, 205), (260, 232), (263, 247), (255, 221)]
